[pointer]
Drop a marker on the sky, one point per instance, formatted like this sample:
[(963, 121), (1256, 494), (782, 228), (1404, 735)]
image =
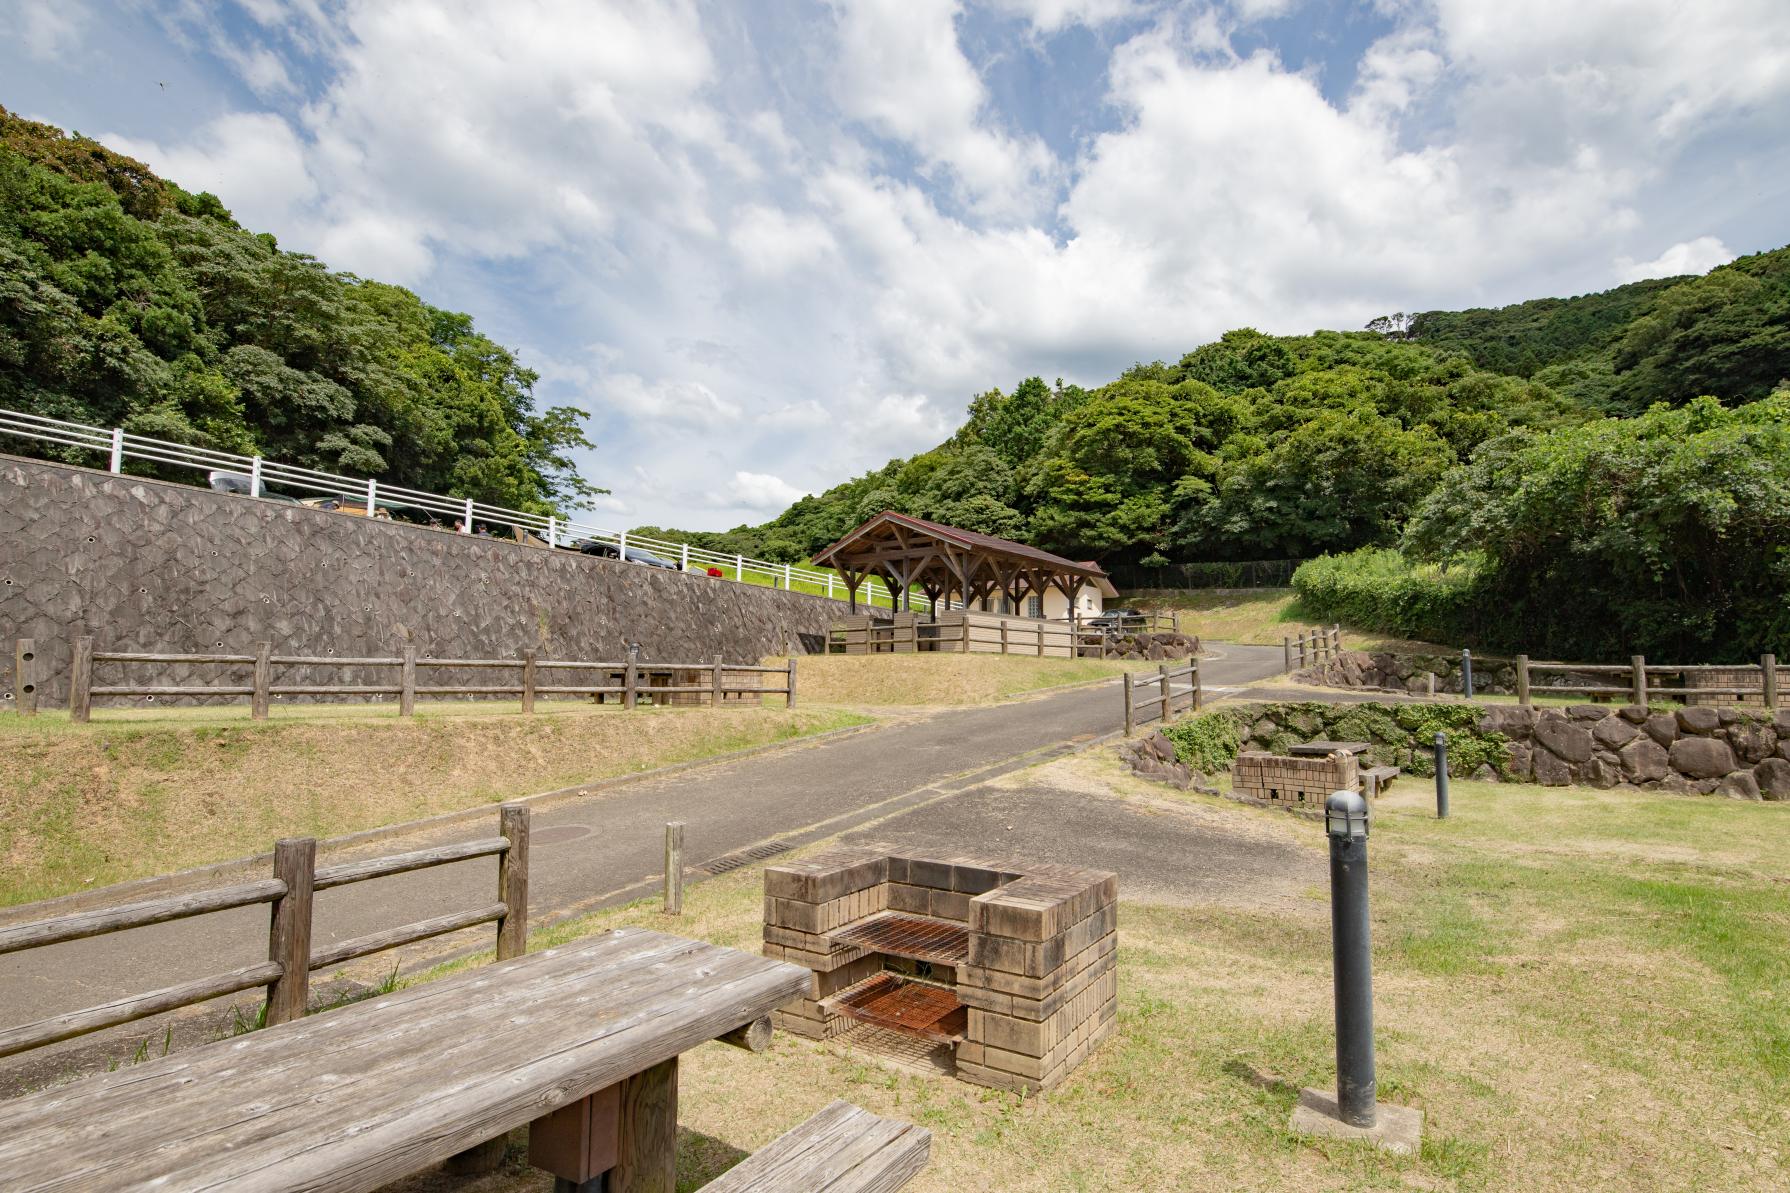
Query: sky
[(767, 246)]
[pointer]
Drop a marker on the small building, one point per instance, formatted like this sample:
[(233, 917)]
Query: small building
[(959, 569)]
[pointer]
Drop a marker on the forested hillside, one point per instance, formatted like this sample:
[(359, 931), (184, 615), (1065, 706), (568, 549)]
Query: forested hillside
[(125, 300)]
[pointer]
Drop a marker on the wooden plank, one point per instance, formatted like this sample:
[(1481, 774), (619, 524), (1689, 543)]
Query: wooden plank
[(128, 1010), (293, 660), (646, 1133), (391, 938), (166, 690), (343, 873), (289, 929), (338, 690), (100, 921), (115, 656), (674, 868), (80, 680), (258, 697), (512, 882), (841, 1149), (24, 677), (358, 1097)]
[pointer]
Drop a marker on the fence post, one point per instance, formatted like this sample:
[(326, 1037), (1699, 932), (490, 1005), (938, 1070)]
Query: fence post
[(628, 682), (1768, 676), (683, 559), (1168, 692), (117, 464), (528, 681), (739, 567), (1523, 679), (1638, 670), (289, 929), (789, 699), (24, 677), (1286, 650), (407, 684), (263, 681), (1336, 635), (255, 477), (1198, 695), (1302, 650), (372, 495), (1039, 627), (80, 681), (674, 868), (512, 882), (786, 578), (715, 696), (1130, 716), (552, 532), (1003, 635)]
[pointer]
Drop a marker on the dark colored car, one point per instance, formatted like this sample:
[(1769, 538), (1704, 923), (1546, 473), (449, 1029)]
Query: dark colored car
[(635, 555), (1117, 619)]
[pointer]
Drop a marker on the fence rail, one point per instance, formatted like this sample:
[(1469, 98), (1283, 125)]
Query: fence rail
[(377, 498), (1163, 694), (629, 680), (291, 959), (1640, 686), (1318, 645)]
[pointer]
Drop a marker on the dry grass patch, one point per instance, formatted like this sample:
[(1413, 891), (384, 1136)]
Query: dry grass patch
[(940, 678), (1569, 1017), (132, 795), (1252, 616)]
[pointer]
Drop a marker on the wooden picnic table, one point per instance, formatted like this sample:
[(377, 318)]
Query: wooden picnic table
[(1323, 749), (357, 1097)]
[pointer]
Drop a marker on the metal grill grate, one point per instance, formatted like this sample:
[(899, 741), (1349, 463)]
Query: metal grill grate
[(913, 1008), (916, 937)]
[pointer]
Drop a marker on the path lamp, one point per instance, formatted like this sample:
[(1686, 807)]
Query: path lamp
[(1467, 673), (1345, 820), (1441, 775)]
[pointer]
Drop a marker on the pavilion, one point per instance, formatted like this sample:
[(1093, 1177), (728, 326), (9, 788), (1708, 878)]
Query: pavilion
[(907, 552)]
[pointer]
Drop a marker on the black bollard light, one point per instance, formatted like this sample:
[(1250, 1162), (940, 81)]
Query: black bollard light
[(1345, 820), (1467, 673), (1441, 775)]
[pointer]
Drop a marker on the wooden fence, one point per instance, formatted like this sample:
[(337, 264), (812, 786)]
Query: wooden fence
[(966, 631), (1640, 686), (1163, 695), (628, 680), (1313, 647), (290, 955)]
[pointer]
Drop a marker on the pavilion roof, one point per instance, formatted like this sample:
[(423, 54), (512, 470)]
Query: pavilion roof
[(892, 538)]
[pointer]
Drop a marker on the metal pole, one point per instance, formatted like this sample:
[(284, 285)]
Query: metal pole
[(683, 560), (1441, 775), (255, 477), (466, 526), (117, 464), (1466, 673), (1345, 817)]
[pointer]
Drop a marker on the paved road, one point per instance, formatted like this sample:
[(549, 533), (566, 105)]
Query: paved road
[(605, 848)]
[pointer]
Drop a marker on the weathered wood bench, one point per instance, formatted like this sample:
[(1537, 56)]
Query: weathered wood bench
[(842, 1149), (1376, 779), (586, 1035)]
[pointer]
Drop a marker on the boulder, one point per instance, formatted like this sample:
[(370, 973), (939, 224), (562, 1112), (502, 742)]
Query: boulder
[(1773, 777), (1705, 786), (1602, 771), (1263, 729), (1634, 713), (1512, 720), (1588, 712), (1614, 732), (1677, 784), (1485, 773), (1550, 771), (1662, 728), (1782, 722), (1564, 738), (1702, 757), (1520, 763), (1727, 716), (1739, 785), (1752, 741), (1697, 719), (1645, 760)]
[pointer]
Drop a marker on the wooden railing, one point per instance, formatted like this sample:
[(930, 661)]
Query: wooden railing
[(290, 957), (1315, 646), (1640, 686), (629, 680), (1163, 695)]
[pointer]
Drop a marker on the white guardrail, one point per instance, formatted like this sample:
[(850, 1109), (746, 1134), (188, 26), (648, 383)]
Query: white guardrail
[(259, 477)]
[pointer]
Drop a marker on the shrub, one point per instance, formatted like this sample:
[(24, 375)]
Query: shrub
[(1208, 742)]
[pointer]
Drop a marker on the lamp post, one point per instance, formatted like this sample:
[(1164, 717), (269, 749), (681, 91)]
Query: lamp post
[(1345, 820), (1466, 673), (1441, 775)]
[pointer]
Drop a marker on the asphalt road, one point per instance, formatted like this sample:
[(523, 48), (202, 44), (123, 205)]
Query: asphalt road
[(606, 848)]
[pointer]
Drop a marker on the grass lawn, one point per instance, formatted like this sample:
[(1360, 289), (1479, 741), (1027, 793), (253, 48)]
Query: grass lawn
[(1582, 990), (1253, 616), (940, 678), (142, 792)]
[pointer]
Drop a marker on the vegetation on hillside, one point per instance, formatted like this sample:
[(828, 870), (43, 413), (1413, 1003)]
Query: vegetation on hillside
[(125, 300)]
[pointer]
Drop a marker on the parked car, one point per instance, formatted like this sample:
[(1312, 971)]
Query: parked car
[(347, 505), (635, 555), (243, 485), (1117, 620)]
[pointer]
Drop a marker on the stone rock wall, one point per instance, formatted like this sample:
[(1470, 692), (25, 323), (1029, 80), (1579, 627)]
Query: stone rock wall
[(1154, 646), (1410, 673), (1707, 751), (150, 566)]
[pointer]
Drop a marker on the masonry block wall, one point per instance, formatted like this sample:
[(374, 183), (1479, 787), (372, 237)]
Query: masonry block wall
[(1040, 978), (1273, 778), (152, 566)]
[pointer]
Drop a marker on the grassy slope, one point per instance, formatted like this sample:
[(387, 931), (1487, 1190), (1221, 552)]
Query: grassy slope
[(1583, 990), (141, 793), (940, 678), (1254, 616)]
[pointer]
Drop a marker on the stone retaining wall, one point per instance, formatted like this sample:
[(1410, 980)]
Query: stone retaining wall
[(147, 565), (1725, 751)]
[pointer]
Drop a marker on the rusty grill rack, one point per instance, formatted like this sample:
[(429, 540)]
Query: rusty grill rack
[(916, 937), (913, 1008)]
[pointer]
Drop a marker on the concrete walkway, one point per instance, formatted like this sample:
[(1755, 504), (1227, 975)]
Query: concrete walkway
[(607, 848)]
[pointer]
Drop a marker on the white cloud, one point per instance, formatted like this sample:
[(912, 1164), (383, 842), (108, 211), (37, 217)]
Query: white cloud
[(771, 242), (1051, 16), (254, 162), (1262, 10), (762, 492), (51, 29), (665, 402), (1690, 256)]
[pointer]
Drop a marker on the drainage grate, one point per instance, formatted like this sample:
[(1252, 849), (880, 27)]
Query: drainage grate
[(741, 857)]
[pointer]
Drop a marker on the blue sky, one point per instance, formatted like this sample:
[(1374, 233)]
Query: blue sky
[(768, 245)]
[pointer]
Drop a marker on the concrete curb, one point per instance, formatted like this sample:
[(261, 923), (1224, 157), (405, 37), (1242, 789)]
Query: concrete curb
[(180, 880)]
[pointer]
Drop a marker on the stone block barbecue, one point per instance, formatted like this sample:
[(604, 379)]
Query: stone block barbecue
[(1007, 970)]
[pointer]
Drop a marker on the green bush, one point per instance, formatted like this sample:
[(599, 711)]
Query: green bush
[(1378, 590), (1401, 735), (1207, 742)]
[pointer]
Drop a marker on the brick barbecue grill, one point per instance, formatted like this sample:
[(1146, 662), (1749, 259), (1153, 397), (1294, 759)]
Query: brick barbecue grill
[(1005, 972)]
